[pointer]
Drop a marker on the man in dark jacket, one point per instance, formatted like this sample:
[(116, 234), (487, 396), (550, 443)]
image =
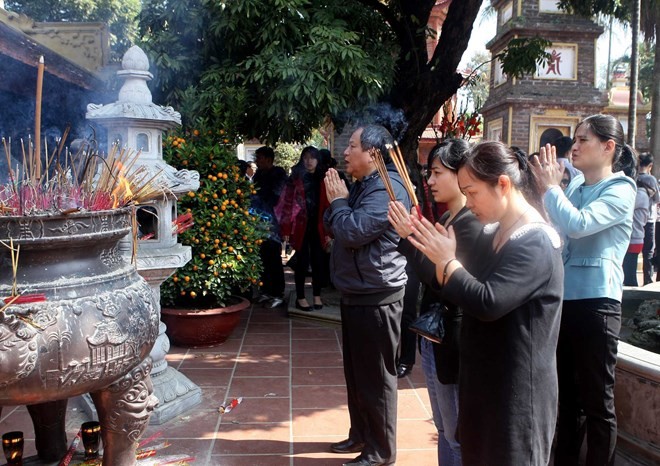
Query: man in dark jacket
[(370, 274), (269, 181)]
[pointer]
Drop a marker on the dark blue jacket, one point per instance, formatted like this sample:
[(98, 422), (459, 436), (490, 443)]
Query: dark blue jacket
[(365, 260)]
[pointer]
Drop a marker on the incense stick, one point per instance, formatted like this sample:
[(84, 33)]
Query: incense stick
[(382, 171), (400, 164), (37, 119)]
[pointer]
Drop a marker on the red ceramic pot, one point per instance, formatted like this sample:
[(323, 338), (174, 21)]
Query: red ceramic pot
[(200, 328)]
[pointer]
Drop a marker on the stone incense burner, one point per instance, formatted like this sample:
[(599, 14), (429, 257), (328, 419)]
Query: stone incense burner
[(91, 334)]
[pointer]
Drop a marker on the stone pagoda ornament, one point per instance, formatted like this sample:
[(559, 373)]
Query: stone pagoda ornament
[(136, 123)]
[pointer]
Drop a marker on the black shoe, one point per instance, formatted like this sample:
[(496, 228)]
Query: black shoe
[(360, 461), (403, 369), (346, 446), (303, 308), (318, 306)]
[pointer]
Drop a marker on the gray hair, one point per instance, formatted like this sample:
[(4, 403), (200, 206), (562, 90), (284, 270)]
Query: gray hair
[(376, 136)]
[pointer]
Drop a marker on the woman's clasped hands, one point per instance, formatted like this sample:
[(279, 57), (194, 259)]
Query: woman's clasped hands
[(434, 241)]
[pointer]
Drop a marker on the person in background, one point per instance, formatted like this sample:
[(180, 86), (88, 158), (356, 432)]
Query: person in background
[(269, 181), (330, 162), (250, 170), (564, 148), (640, 217), (568, 174), (300, 214), (648, 182), (595, 216), (511, 303), (242, 166), (370, 274), (407, 343), (440, 360)]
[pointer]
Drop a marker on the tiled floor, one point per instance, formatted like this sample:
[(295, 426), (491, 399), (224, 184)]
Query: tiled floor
[(289, 374)]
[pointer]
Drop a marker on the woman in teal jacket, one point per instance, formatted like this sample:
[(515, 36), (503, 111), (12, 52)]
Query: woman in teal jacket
[(594, 215)]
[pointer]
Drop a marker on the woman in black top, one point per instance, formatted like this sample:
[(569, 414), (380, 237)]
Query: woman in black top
[(511, 302), (440, 361)]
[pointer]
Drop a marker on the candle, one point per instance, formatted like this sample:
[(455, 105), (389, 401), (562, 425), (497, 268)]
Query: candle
[(12, 446), (37, 120), (91, 437)]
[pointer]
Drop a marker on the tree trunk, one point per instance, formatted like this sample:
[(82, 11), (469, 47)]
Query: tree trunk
[(655, 110), (424, 85), (634, 73)]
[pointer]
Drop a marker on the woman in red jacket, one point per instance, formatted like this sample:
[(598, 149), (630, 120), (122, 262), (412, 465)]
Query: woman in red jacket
[(300, 214)]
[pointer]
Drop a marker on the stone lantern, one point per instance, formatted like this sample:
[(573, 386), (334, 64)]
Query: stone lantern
[(134, 122)]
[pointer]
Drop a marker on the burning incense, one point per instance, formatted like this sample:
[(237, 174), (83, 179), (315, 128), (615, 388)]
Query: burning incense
[(37, 119), (101, 184), (400, 164), (382, 171)]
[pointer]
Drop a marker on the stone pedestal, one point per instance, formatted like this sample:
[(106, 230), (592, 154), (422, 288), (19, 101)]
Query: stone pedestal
[(175, 392), (135, 122)]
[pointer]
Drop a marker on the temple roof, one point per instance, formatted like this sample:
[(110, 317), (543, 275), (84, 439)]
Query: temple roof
[(21, 47)]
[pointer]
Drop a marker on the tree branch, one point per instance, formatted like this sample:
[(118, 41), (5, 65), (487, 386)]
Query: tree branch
[(388, 15), (455, 35)]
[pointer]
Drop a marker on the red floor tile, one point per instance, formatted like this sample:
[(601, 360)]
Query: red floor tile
[(264, 368), (208, 377), (267, 339), (251, 460), (319, 397), (311, 333), (314, 346), (314, 451), (269, 327), (209, 361), (315, 422), (230, 345), (263, 317), (213, 397), (253, 438), (328, 359), (416, 434), (411, 407), (197, 423), (259, 410), (318, 376), (257, 386), (261, 354)]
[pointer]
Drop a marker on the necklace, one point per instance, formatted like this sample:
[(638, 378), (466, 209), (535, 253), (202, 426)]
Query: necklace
[(503, 238)]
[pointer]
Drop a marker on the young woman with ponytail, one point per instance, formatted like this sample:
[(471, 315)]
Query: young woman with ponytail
[(511, 302), (595, 215), (440, 361)]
